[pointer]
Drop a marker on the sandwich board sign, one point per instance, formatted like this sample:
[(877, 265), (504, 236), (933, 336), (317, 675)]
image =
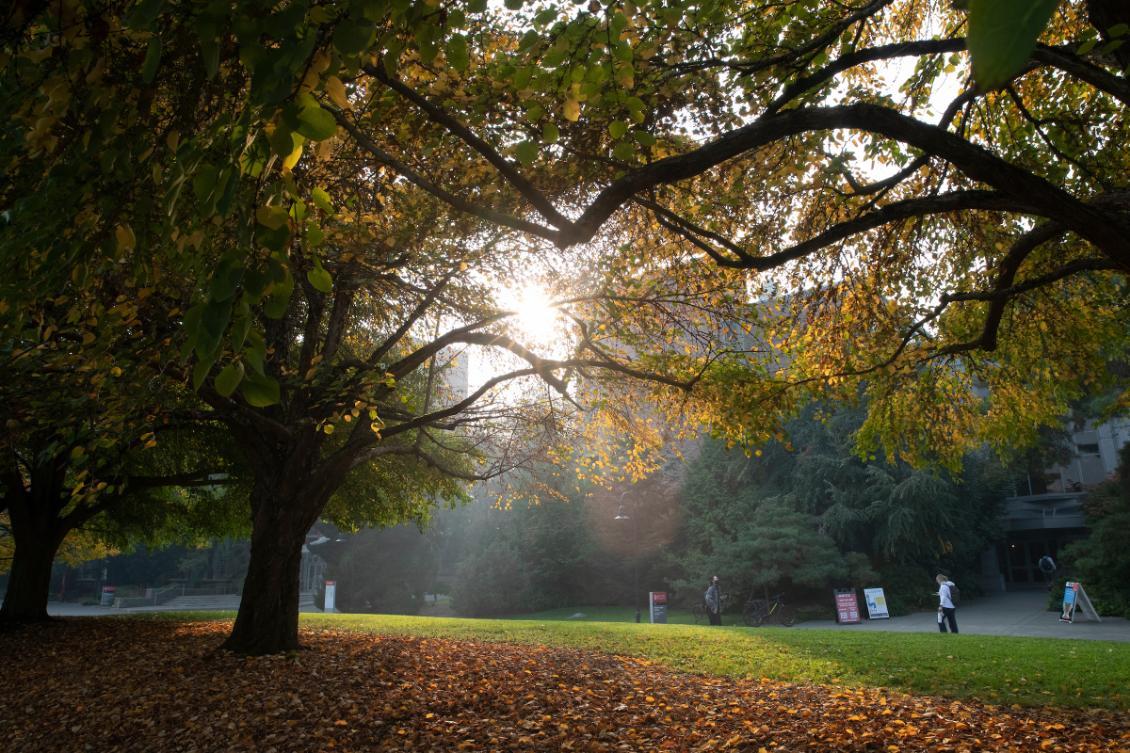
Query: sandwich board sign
[(847, 606), (1075, 599), (876, 602)]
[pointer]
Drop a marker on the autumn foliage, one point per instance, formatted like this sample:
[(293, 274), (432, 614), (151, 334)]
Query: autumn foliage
[(117, 685)]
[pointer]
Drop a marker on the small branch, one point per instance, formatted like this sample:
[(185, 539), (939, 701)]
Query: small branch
[(457, 129)]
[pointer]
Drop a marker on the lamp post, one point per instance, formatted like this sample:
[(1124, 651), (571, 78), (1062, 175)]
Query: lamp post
[(621, 514)]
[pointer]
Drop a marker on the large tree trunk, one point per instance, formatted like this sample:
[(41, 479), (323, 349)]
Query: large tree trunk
[(283, 509), (29, 582)]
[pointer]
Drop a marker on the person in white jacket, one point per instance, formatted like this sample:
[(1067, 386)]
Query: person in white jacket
[(946, 610)]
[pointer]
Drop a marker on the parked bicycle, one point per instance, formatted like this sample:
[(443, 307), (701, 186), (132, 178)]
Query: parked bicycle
[(758, 612)]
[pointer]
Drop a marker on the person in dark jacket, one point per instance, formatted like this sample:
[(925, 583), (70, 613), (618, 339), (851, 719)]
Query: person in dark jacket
[(714, 602)]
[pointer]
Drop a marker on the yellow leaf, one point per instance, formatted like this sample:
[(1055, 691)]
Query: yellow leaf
[(336, 91), (571, 110), (292, 158), (126, 239)]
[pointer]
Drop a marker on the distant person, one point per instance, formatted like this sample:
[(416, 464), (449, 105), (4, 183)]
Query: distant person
[(1047, 567), (947, 612), (713, 599)]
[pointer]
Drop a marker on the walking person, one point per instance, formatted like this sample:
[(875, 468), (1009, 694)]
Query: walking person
[(713, 599), (947, 612)]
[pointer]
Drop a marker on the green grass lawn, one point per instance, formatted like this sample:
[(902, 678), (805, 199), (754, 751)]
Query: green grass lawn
[(991, 669), (608, 614)]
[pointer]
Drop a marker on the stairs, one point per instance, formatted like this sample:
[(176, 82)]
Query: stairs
[(228, 602)]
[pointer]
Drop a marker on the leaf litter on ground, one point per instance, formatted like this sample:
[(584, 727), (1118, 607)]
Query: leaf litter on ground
[(126, 685)]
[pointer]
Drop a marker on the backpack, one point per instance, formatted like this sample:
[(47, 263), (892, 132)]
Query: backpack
[(955, 594)]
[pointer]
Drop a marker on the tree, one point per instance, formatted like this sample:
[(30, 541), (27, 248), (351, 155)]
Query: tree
[(743, 524), (807, 510), (711, 154), (93, 439)]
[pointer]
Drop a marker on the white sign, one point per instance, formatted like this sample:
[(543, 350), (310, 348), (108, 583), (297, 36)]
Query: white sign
[(331, 587), (876, 603)]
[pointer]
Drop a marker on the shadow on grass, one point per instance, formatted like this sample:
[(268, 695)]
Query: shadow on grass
[(992, 669)]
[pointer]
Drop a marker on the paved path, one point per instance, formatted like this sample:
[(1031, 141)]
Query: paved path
[(1022, 613), (68, 609)]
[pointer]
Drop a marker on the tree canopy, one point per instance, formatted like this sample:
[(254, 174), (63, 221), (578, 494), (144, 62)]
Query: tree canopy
[(741, 205)]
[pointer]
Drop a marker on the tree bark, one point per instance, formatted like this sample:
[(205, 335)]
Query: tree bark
[(29, 582), (267, 621), (283, 509)]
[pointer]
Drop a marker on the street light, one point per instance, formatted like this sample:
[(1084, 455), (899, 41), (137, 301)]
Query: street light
[(622, 515)]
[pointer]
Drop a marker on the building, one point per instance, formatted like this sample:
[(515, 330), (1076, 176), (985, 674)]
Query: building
[(1050, 515)]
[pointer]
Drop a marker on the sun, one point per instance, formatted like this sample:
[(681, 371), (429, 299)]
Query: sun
[(535, 321)]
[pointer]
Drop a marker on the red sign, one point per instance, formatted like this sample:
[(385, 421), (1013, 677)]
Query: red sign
[(847, 606), (658, 597)]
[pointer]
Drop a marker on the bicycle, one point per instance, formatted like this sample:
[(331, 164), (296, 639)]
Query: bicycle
[(759, 611)]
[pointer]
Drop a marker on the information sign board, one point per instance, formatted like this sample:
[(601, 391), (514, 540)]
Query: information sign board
[(1075, 600), (331, 595), (658, 606), (847, 606), (876, 602)]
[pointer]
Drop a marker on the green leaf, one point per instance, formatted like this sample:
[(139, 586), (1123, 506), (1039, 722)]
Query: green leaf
[(256, 352), (321, 199), (427, 34), (526, 152), (142, 15), (514, 4), (225, 280), (204, 183), (191, 324), (213, 323), (314, 236), (229, 378), (241, 324), (259, 391), (152, 60), (273, 217), (275, 240), (316, 123), (283, 141), (457, 55), (617, 128), (1002, 34), (644, 138), (550, 133), (477, 6), (625, 151), (535, 113), (320, 278), (351, 37), (279, 297), (254, 285), (200, 372)]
